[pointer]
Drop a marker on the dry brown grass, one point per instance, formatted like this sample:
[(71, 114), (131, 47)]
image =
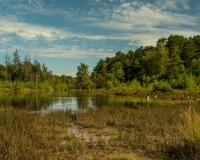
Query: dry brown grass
[(116, 133)]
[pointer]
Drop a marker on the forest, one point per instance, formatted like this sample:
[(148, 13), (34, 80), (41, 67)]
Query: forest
[(16, 73), (174, 63)]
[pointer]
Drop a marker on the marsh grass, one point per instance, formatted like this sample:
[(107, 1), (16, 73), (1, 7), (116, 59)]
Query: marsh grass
[(115, 132), (190, 129), (185, 145), (30, 136), (144, 129)]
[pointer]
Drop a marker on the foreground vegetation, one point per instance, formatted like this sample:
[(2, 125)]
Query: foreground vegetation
[(113, 133)]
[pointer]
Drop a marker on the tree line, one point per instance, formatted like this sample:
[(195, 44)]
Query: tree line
[(174, 62), (28, 71)]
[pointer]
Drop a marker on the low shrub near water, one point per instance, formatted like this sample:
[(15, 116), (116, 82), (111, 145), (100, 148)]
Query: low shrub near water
[(18, 86), (161, 86), (183, 82), (130, 88)]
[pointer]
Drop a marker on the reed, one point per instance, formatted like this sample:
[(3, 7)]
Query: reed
[(107, 133)]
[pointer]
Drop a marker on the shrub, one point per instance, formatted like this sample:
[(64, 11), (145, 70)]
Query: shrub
[(135, 85), (161, 86), (183, 82), (128, 89)]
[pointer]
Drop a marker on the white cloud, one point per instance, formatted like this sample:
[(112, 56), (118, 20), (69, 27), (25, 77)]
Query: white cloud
[(174, 4), (147, 39), (143, 35), (71, 52), (28, 31), (145, 23), (11, 25), (132, 16)]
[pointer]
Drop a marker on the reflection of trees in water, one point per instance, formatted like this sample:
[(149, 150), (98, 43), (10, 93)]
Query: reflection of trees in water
[(82, 101), (42, 102), (28, 101), (101, 100), (106, 100)]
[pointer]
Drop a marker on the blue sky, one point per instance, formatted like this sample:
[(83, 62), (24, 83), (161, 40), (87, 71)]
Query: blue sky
[(64, 33)]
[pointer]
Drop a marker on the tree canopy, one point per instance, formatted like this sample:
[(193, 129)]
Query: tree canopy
[(172, 60)]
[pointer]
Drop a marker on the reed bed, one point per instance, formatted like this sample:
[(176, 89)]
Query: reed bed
[(115, 133)]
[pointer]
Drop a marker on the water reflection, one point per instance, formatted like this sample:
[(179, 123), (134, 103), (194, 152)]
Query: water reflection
[(28, 101), (47, 102), (72, 101)]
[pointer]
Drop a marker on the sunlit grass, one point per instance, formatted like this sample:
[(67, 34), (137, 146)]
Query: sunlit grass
[(143, 133)]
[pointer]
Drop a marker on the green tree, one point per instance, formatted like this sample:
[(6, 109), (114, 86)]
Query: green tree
[(83, 78), (27, 68), (195, 67), (162, 57), (17, 73), (176, 67), (16, 59)]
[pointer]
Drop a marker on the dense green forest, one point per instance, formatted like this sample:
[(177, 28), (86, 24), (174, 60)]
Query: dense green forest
[(173, 63)]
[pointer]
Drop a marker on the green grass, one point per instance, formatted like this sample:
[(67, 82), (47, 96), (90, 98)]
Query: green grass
[(17, 86)]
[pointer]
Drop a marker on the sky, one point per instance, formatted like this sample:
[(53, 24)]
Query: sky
[(64, 33)]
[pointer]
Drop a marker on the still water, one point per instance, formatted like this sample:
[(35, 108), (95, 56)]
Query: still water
[(75, 101)]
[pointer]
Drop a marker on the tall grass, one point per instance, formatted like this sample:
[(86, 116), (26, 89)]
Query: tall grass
[(141, 130), (186, 144), (147, 132), (192, 126), (30, 136)]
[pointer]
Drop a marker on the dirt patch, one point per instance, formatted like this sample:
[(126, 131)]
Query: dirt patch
[(89, 137)]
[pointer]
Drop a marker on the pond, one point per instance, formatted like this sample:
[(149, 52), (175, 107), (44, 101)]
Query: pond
[(75, 101)]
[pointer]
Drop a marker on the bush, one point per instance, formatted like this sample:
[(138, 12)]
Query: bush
[(128, 89), (161, 86), (135, 85), (183, 82)]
